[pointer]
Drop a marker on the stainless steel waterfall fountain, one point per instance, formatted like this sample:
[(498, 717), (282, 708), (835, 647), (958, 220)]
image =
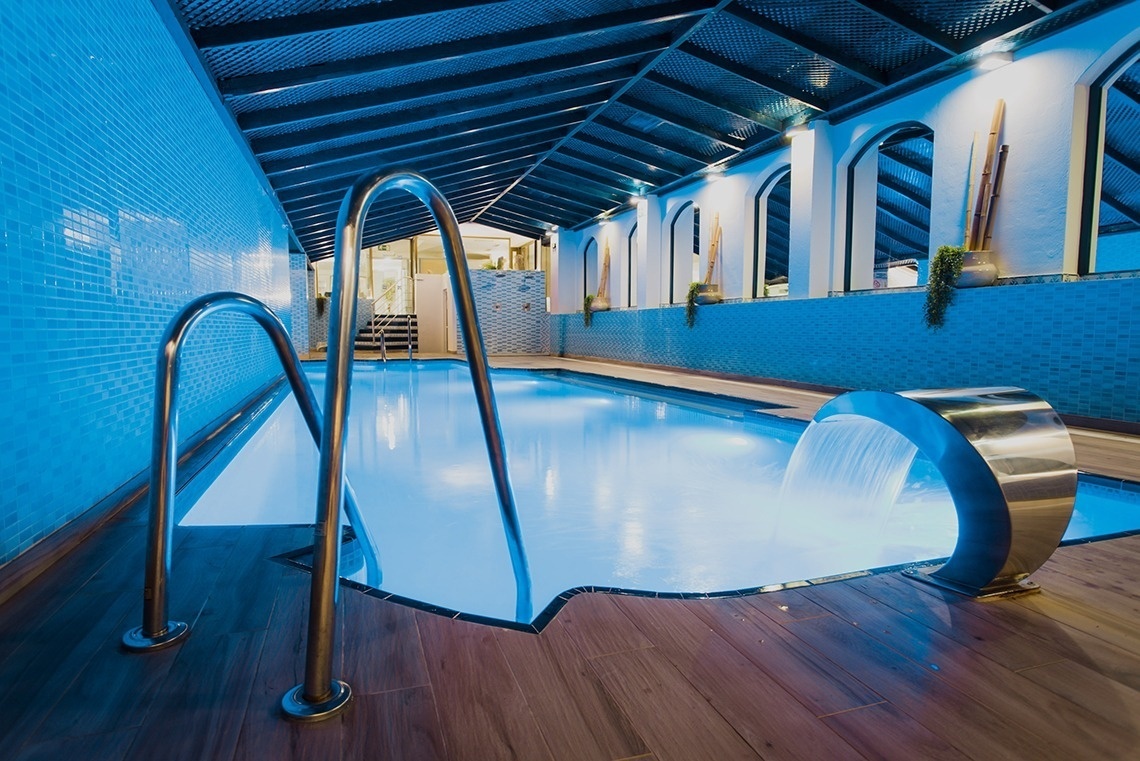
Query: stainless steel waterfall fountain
[(157, 631), (1010, 467), (320, 695)]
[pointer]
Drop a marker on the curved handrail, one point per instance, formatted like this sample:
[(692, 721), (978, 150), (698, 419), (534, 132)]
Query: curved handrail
[(1008, 463), (320, 696), (156, 630)]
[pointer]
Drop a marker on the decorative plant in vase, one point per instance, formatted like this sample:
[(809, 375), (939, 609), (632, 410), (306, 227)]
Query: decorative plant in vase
[(944, 273), (970, 264), (691, 304)]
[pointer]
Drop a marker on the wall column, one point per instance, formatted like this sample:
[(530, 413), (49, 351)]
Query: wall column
[(812, 212)]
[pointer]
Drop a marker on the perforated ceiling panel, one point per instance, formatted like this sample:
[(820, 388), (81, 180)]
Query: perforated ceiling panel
[(534, 113)]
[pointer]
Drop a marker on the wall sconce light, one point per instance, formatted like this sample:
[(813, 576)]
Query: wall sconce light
[(995, 60)]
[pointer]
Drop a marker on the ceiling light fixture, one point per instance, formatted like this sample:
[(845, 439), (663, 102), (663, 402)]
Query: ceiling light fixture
[(995, 60)]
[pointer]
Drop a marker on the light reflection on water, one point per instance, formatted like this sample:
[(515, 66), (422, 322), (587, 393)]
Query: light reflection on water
[(612, 491)]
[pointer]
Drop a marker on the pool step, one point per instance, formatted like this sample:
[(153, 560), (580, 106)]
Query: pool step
[(399, 331)]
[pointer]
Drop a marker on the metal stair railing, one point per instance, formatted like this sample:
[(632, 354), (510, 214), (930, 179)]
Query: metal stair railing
[(157, 631), (320, 696)]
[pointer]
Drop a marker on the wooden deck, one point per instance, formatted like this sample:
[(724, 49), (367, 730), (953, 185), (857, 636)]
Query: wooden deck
[(874, 667)]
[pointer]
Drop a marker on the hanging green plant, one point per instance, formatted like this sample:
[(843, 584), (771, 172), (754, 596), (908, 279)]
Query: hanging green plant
[(587, 313), (944, 273), (691, 304)]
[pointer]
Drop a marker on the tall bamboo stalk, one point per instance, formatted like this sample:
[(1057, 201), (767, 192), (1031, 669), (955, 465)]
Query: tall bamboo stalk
[(981, 205), (714, 245)]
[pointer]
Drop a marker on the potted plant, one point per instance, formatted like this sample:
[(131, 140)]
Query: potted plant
[(691, 303), (944, 273), (587, 311)]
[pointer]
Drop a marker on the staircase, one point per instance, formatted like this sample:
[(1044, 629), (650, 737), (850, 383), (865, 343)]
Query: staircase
[(400, 331)]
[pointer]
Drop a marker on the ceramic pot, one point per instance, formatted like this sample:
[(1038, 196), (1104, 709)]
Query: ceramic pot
[(978, 269)]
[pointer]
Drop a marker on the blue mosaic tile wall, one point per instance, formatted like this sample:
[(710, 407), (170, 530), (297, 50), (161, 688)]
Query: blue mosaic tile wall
[(1076, 344), (299, 302), (511, 305), (122, 196)]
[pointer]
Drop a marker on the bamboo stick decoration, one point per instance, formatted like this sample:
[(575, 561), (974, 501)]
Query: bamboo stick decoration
[(970, 189), (604, 280), (714, 246), (999, 172), (981, 205)]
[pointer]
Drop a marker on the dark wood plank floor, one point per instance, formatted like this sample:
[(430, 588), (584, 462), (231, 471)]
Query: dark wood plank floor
[(874, 667)]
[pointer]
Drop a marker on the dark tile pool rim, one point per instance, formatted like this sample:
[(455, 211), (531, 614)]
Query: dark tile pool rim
[(295, 559)]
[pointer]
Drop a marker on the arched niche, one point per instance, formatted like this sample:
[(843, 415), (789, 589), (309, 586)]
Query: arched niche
[(1110, 212), (771, 214), (684, 250), (589, 267), (888, 209), (631, 267)]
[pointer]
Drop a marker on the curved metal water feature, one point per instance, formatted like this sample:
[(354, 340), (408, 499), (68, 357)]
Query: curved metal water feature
[(321, 696), (156, 630), (1010, 467)]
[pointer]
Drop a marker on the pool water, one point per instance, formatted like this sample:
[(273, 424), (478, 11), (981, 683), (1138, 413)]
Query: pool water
[(654, 491)]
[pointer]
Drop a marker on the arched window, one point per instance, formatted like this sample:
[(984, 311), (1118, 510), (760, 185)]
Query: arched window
[(684, 251), (1110, 216), (589, 268), (772, 240), (631, 268), (888, 246)]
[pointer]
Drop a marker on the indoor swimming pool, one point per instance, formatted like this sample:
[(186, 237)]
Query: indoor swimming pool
[(618, 486)]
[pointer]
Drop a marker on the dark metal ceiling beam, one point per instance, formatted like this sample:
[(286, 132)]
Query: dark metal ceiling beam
[(608, 166), (904, 190), (1121, 208), (328, 211), (516, 218), (576, 204), (651, 161), (885, 206), (603, 59), (899, 238), (506, 148), (759, 77), (260, 30), (551, 186), (502, 154), (544, 214), (376, 228), (649, 138), (455, 193), (1126, 161), (809, 45), (487, 43), (1050, 5), (907, 161), (457, 112), (682, 33), (561, 112), (688, 125), (1126, 89), (900, 18), (516, 227), (589, 177), (714, 100)]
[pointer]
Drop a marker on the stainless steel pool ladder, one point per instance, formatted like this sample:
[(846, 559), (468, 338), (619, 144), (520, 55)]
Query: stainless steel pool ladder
[(157, 631), (320, 696)]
